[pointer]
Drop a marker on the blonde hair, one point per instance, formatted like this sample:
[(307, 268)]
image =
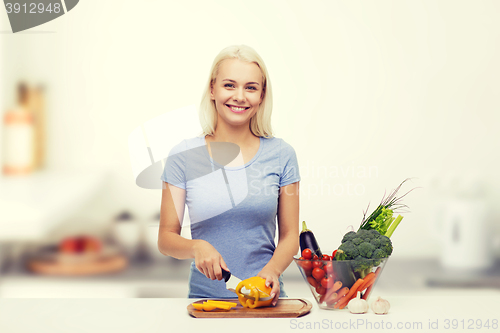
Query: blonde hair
[(260, 123)]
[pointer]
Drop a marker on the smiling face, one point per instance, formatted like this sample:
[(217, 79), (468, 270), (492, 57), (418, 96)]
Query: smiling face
[(237, 92)]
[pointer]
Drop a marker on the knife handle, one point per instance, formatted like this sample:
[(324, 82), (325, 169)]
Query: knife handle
[(225, 274)]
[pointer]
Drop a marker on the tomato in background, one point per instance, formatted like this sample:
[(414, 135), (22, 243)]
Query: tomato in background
[(69, 245), (91, 244)]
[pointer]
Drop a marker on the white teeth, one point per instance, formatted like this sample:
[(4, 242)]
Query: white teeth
[(237, 109)]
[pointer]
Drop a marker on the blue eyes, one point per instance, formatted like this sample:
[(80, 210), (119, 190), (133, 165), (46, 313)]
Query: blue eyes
[(230, 85)]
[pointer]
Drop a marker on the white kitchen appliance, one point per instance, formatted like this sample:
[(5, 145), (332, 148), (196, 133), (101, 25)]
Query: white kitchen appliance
[(465, 235)]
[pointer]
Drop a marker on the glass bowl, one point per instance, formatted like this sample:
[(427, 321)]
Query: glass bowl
[(334, 279)]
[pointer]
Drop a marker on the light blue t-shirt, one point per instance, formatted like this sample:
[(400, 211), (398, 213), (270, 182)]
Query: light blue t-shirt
[(232, 208)]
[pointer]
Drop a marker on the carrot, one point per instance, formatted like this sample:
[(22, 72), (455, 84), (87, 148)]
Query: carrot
[(369, 287), (336, 286), (343, 301), (368, 278), (334, 298), (323, 297), (367, 292)]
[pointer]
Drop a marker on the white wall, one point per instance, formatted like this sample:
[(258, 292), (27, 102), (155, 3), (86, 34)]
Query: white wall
[(398, 88)]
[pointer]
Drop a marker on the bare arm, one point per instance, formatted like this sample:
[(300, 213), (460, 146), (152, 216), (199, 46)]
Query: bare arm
[(288, 242), (171, 243)]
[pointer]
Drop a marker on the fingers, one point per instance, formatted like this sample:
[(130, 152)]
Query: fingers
[(208, 261), (223, 264), (275, 291), (218, 269), (210, 268)]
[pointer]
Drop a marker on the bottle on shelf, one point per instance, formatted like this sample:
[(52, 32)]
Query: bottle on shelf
[(18, 150)]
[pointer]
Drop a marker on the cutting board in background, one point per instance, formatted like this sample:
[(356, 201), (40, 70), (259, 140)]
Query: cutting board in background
[(286, 308)]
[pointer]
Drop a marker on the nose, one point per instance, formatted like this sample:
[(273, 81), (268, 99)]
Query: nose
[(239, 96)]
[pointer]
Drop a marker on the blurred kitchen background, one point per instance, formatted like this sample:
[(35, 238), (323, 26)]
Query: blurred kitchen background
[(368, 94)]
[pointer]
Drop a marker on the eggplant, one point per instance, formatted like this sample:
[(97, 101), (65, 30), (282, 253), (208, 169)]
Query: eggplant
[(308, 241), (344, 273)]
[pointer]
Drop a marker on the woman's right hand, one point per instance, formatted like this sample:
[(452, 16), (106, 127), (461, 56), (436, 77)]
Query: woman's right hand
[(208, 260)]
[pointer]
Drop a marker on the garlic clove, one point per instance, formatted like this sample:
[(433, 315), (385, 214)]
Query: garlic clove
[(358, 305), (380, 306)]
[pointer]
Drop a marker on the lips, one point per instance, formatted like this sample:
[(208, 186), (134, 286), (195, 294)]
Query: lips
[(237, 109)]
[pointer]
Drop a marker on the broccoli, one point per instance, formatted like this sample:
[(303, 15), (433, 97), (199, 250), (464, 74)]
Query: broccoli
[(357, 241), (340, 255), (375, 242), (366, 249), (364, 234), (350, 249), (374, 233), (361, 264), (378, 254), (386, 244), (349, 236)]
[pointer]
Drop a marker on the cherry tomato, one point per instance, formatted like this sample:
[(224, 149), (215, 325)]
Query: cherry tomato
[(333, 254), (307, 254), (306, 265), (328, 268), (315, 257), (312, 282), (318, 273), (325, 257), (321, 290), (327, 282), (317, 263)]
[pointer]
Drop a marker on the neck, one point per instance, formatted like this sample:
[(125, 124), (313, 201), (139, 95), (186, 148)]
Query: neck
[(238, 135)]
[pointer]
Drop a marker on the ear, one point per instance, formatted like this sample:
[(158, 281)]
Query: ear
[(212, 91)]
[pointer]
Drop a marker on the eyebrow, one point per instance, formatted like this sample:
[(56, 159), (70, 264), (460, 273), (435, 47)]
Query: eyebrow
[(235, 81)]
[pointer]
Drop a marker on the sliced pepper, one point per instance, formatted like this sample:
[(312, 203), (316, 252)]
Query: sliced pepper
[(222, 303), (212, 305)]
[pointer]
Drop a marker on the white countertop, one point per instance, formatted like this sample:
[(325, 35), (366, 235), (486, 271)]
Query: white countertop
[(415, 311)]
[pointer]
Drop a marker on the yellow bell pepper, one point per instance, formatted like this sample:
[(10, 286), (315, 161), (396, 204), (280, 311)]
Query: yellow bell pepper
[(254, 284), (210, 305)]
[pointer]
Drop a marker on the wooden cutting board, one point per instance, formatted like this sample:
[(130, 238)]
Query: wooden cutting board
[(80, 267), (286, 308)]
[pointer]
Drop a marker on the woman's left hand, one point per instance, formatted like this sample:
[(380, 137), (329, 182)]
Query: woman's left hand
[(271, 277)]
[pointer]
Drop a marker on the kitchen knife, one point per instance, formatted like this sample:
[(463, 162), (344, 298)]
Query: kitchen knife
[(233, 281)]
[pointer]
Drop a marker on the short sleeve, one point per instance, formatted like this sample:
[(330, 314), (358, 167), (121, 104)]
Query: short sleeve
[(174, 171), (289, 165)]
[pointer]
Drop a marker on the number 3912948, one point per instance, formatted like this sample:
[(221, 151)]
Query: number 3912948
[(33, 8)]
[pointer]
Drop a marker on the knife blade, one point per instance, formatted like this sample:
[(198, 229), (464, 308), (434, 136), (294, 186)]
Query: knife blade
[(231, 280)]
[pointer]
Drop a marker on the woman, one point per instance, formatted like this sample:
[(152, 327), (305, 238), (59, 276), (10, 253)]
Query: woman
[(233, 207)]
